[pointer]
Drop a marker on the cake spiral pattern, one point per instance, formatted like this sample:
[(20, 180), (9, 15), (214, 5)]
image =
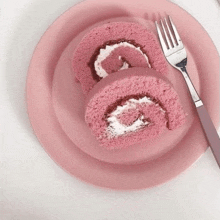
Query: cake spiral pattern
[(121, 69), (113, 47), (132, 107)]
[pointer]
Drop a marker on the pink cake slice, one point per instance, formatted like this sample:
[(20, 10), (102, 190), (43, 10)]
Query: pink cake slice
[(116, 46), (136, 105)]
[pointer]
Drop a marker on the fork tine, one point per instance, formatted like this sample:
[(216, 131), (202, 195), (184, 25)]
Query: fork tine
[(178, 39), (165, 33), (170, 33), (163, 44)]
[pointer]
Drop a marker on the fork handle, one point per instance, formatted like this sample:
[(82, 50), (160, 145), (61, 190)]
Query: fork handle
[(210, 131), (206, 122)]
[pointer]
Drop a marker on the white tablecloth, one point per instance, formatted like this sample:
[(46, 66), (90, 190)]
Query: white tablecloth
[(35, 188)]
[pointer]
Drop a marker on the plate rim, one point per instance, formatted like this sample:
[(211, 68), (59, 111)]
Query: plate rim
[(30, 109)]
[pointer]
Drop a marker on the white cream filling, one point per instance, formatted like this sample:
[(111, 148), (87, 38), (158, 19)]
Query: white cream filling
[(105, 52), (116, 129), (125, 64)]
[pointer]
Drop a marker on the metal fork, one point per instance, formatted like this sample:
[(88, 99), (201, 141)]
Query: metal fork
[(176, 55)]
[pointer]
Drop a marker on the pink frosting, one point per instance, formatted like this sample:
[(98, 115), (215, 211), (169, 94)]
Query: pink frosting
[(116, 31)]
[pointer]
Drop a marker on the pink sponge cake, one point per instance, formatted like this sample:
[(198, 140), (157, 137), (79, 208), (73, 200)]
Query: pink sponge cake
[(133, 106), (115, 46)]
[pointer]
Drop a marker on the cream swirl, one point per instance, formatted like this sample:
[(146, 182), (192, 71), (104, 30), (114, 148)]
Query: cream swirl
[(116, 128), (105, 52)]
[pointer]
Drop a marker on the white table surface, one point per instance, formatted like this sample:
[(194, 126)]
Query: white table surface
[(34, 187)]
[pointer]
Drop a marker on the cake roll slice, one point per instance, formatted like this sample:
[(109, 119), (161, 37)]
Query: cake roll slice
[(113, 47), (133, 106)]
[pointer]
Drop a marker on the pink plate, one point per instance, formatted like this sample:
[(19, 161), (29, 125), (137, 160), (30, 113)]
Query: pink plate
[(56, 103)]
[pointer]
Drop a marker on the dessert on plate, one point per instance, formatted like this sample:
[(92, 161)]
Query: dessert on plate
[(122, 72), (132, 106), (116, 46), (56, 102)]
